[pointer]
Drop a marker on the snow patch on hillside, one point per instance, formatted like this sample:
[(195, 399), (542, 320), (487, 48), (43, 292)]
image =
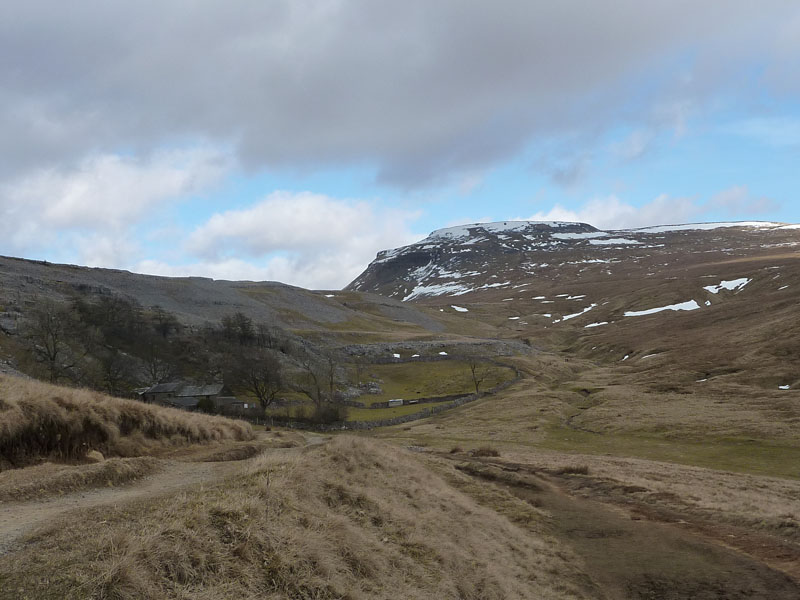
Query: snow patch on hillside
[(578, 314), (707, 226), (437, 289), (588, 235), (462, 231), (690, 305), (614, 242), (733, 284)]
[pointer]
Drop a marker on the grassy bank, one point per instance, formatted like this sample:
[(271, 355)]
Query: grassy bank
[(352, 519), (40, 421)]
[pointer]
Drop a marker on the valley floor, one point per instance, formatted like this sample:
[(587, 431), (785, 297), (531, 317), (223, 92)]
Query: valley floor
[(564, 503)]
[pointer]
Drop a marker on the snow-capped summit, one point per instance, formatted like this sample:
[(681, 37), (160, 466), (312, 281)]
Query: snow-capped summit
[(481, 257)]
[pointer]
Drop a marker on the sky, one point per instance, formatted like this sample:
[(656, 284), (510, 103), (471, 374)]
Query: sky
[(291, 140)]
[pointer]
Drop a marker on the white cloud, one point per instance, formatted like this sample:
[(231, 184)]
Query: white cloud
[(268, 77), (106, 194), (303, 239), (613, 213), (635, 145), (738, 201)]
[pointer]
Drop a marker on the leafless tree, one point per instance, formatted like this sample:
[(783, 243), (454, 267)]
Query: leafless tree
[(478, 371), (258, 373), (48, 331), (312, 380), (157, 368), (115, 370)]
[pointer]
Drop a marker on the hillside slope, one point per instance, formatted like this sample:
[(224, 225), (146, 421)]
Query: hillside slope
[(350, 519), (711, 300), (196, 301)]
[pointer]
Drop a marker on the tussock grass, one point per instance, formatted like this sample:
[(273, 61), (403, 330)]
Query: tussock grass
[(40, 422), (486, 451), (352, 519), (50, 479), (572, 470)]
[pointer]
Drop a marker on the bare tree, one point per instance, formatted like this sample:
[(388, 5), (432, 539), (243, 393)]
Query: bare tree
[(165, 323), (48, 331), (330, 375), (312, 380), (115, 370), (243, 326), (258, 373), (156, 367), (478, 371)]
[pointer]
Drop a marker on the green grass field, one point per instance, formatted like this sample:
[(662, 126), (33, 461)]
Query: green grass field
[(410, 380), (377, 414)]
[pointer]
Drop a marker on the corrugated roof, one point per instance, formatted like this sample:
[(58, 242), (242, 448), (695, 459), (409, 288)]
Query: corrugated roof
[(164, 388), (200, 390), (182, 389)]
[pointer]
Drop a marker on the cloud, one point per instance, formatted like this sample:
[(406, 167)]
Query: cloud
[(304, 239), (564, 167), (423, 91), (105, 194), (635, 145), (738, 201), (613, 213)]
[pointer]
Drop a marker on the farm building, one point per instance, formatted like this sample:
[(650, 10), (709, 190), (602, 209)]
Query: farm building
[(186, 395)]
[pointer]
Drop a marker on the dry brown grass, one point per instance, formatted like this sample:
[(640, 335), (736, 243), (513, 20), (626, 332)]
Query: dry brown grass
[(768, 503), (50, 479), (40, 421), (352, 519), (486, 451)]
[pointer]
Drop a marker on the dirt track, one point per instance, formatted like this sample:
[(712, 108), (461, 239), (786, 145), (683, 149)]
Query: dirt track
[(19, 518)]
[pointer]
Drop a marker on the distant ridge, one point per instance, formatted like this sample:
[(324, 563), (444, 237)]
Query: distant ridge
[(480, 257)]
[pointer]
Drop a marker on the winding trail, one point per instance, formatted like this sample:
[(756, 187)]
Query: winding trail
[(18, 519)]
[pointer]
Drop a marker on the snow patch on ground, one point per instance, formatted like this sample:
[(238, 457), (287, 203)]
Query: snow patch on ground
[(578, 314), (733, 284), (706, 226), (459, 308), (462, 231), (598, 324), (437, 289), (690, 305), (579, 236), (614, 242)]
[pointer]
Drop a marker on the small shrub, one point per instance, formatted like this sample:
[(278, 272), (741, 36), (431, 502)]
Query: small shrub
[(456, 450), (573, 470), (486, 451)]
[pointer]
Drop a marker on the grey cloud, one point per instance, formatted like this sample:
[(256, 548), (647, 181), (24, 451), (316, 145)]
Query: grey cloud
[(421, 90)]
